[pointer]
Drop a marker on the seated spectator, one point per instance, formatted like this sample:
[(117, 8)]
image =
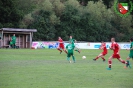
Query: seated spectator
[(13, 41)]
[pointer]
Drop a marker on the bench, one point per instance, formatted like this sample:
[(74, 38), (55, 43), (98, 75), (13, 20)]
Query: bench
[(7, 46)]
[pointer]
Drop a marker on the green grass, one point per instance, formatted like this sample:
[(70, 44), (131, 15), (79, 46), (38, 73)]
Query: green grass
[(46, 68)]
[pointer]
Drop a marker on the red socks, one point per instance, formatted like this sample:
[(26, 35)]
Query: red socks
[(124, 62), (103, 58), (110, 63), (96, 58), (65, 51)]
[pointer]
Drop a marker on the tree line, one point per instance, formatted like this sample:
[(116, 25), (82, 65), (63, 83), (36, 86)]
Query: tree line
[(85, 20)]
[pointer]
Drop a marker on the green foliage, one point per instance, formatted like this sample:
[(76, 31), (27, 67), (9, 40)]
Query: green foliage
[(45, 23), (70, 19), (10, 15), (26, 6), (86, 20), (58, 7)]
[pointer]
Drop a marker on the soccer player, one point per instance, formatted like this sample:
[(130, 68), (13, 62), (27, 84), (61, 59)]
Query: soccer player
[(116, 48), (61, 45), (70, 49), (103, 47), (72, 41), (131, 53)]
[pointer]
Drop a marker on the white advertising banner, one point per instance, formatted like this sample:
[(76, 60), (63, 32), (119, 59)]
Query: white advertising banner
[(124, 45), (97, 45), (89, 45)]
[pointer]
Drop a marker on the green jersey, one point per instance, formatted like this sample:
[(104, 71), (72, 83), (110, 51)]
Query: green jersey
[(13, 39), (131, 51), (131, 46), (72, 41), (70, 48)]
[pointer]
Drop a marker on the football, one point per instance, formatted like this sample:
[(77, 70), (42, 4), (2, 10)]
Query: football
[(83, 57)]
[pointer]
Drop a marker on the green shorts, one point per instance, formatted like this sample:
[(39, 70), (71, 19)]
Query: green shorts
[(11, 43), (131, 55), (69, 54)]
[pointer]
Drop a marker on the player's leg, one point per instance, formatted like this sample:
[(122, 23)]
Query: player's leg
[(103, 54), (68, 57), (64, 49), (14, 45), (98, 57), (73, 58), (124, 62), (103, 57), (77, 49), (128, 64), (110, 62), (128, 58), (74, 48), (59, 48), (119, 58)]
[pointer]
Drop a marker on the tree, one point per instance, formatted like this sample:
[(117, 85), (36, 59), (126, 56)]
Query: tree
[(70, 19), (58, 7), (99, 25), (85, 2), (93, 22), (42, 23), (26, 6), (10, 15)]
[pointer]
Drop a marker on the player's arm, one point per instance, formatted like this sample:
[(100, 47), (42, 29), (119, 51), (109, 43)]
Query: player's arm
[(119, 49), (111, 48), (130, 48), (101, 47)]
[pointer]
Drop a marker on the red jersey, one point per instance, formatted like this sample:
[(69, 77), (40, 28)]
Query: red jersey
[(115, 47), (103, 46), (61, 44), (60, 41)]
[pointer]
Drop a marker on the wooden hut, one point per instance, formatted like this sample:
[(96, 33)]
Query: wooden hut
[(23, 37)]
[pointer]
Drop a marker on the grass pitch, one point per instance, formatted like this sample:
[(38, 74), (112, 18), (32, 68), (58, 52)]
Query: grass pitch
[(46, 68)]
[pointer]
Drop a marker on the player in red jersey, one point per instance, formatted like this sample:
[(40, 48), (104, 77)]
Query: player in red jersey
[(61, 45), (116, 48), (105, 51)]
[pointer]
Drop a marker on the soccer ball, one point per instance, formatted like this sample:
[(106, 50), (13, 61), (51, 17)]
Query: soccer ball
[(83, 57)]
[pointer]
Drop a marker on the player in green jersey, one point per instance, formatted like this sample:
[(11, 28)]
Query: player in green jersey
[(70, 49), (13, 41), (72, 41), (131, 53)]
